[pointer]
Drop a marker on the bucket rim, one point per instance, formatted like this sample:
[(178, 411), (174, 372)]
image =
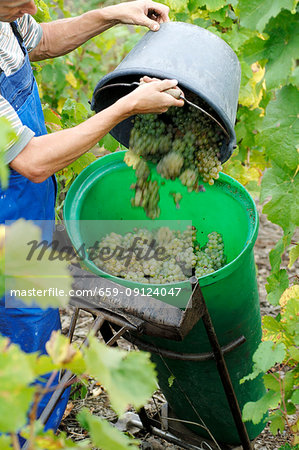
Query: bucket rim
[(207, 280), (182, 83)]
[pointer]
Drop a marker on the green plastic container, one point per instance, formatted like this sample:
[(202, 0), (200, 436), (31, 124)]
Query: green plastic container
[(102, 192)]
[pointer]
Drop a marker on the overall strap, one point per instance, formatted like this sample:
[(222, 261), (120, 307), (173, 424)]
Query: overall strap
[(18, 36)]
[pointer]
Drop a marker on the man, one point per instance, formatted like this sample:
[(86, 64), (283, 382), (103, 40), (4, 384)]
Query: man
[(36, 156)]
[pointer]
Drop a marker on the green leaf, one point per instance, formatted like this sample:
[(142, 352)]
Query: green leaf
[(15, 394), (47, 281), (64, 354), (268, 354), (5, 442), (83, 161), (290, 316), (276, 423), (213, 5), (43, 13), (293, 254), (129, 378), (294, 78), (277, 49), (295, 397), (104, 435), (271, 324), (109, 143), (271, 382), (237, 36), (255, 411), (277, 252), (294, 353), (7, 136), (73, 113), (256, 13), (278, 282), (279, 130)]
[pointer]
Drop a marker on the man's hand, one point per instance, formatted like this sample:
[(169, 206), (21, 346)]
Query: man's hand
[(151, 97), (141, 12)]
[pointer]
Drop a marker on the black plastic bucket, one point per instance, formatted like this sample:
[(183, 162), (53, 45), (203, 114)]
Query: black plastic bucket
[(203, 64)]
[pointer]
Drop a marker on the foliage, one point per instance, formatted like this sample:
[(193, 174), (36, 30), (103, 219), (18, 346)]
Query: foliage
[(263, 33), (17, 393)]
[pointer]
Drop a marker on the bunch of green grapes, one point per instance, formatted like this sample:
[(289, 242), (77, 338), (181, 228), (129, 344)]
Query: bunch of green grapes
[(183, 256), (182, 143)]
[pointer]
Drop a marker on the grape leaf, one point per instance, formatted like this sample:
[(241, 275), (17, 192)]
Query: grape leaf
[(295, 397), (279, 129), (237, 36), (294, 353), (5, 442), (271, 382), (128, 377), (65, 354), (272, 324), (104, 435), (255, 411), (277, 283), (277, 252), (213, 5), (268, 354), (281, 49), (282, 188), (256, 13), (7, 136), (25, 274), (294, 78), (277, 49), (277, 423), (293, 254), (15, 394), (291, 315)]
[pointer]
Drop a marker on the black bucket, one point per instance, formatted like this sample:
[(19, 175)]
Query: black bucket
[(203, 64)]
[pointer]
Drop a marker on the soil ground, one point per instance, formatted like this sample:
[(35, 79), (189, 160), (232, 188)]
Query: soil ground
[(96, 399)]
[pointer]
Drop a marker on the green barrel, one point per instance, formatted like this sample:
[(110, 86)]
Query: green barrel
[(102, 192)]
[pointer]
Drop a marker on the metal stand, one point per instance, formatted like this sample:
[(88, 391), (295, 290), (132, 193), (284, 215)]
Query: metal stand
[(132, 316)]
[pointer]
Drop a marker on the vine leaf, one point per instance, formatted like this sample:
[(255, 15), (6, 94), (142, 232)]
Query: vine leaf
[(266, 356), (279, 137), (293, 254), (277, 423), (26, 274), (15, 394), (104, 435), (277, 49), (256, 13), (279, 130), (65, 354), (255, 411), (277, 283), (213, 5), (128, 377)]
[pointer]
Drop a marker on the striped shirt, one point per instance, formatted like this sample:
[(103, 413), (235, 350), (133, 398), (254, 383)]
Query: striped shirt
[(11, 59)]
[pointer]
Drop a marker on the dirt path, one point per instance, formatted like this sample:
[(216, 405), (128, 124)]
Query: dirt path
[(97, 400)]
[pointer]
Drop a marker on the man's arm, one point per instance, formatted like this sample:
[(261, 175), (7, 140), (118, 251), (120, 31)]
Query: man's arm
[(63, 36), (45, 155)]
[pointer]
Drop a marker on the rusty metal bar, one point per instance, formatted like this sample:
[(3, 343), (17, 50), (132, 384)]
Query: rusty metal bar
[(183, 356), (73, 324), (224, 374)]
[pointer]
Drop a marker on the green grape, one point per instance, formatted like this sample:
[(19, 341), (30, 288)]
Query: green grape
[(184, 256), (181, 143)]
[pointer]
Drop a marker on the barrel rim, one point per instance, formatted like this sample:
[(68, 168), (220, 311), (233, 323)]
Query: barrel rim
[(206, 280)]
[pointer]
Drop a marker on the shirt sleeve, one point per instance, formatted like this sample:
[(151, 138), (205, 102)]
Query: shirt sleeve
[(23, 133), (31, 31)]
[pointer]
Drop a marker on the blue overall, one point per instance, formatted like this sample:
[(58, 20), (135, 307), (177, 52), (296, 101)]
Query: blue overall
[(29, 327)]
